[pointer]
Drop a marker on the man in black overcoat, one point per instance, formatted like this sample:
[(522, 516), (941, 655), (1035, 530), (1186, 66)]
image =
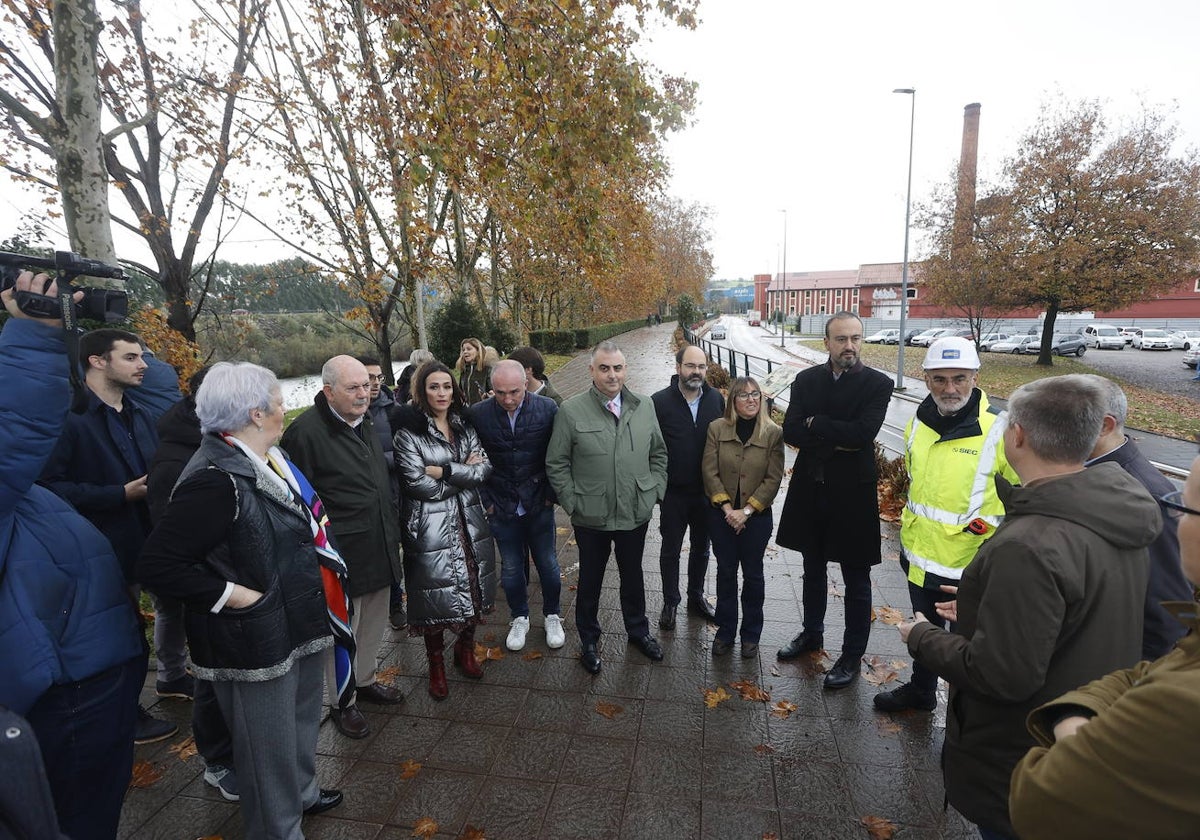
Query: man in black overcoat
[(831, 514)]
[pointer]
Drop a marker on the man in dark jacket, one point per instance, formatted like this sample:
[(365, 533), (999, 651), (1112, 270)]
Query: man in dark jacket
[(382, 405), (1052, 601), (536, 381), (684, 409), (1160, 630), (831, 514), (76, 681), (335, 446), (514, 427), (100, 466)]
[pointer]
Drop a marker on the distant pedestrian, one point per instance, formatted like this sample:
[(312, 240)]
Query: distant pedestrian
[(416, 358), (742, 469), (474, 375), (831, 514)]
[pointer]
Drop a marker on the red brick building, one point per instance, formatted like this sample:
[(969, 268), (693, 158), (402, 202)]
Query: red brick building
[(873, 291)]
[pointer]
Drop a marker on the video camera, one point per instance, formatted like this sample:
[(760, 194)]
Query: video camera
[(108, 305)]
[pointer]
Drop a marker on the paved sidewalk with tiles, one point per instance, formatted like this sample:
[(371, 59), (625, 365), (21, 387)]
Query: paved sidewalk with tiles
[(540, 749)]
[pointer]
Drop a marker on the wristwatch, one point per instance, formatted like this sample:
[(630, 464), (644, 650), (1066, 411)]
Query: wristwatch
[(747, 511)]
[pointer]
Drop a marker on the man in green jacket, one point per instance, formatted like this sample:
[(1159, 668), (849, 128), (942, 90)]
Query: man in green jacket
[(335, 446), (607, 463)]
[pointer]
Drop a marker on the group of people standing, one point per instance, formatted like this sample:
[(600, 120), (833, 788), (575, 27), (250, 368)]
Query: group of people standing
[(284, 555)]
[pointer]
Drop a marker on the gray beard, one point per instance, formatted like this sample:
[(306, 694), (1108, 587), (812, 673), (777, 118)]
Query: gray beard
[(842, 362)]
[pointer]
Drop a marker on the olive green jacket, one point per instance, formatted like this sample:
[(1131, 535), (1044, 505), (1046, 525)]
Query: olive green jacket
[(607, 473)]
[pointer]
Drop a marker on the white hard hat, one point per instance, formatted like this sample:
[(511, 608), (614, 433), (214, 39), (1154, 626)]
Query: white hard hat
[(951, 352)]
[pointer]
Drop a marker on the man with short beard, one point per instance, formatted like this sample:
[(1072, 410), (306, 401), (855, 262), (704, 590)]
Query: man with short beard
[(954, 451), (684, 409), (831, 514)]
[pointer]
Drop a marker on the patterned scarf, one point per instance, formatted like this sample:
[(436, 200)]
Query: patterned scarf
[(333, 576)]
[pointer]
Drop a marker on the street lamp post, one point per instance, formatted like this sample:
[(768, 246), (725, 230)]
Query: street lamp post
[(912, 92), (783, 294)]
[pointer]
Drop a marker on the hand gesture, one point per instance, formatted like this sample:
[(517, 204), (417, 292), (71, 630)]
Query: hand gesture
[(948, 609), (905, 627)]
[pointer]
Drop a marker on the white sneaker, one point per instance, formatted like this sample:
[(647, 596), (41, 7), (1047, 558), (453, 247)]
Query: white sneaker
[(516, 636), (555, 637)]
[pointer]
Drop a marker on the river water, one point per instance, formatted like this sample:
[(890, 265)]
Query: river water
[(298, 391)]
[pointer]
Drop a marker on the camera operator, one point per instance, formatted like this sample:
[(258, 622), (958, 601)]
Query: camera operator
[(72, 657)]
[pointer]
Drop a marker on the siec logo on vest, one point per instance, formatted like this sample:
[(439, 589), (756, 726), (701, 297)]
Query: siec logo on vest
[(963, 451)]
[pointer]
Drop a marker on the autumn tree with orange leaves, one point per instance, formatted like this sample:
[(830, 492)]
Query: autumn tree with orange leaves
[(1085, 215)]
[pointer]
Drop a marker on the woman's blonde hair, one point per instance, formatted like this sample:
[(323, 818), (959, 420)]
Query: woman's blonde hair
[(478, 345), (748, 383)]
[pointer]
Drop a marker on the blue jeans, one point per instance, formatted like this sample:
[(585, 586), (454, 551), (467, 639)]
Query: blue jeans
[(85, 731), (532, 533), (744, 550)]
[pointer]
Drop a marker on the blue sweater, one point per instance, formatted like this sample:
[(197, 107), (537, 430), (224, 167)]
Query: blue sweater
[(65, 614)]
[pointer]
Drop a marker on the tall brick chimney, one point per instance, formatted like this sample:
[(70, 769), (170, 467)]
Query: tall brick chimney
[(967, 167)]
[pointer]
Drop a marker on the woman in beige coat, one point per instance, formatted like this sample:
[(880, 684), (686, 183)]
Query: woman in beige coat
[(742, 469)]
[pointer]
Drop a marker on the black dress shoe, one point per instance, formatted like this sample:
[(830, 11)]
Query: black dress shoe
[(326, 799), (749, 650), (666, 621), (843, 672), (721, 648), (384, 695), (806, 642), (350, 722), (590, 658), (702, 608), (649, 646)]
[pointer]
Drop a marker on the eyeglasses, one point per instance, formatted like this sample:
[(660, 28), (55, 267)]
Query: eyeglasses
[(375, 377), (746, 396), (1175, 506)]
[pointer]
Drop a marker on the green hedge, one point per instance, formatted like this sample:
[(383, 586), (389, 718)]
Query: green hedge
[(565, 341)]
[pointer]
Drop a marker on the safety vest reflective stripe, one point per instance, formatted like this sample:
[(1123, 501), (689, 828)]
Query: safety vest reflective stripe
[(931, 566), (987, 463), (946, 517)]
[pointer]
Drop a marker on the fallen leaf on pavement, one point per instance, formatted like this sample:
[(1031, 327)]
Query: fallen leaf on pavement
[(834, 591), (489, 637), (764, 749), (750, 691), (775, 671), (185, 749), (387, 675), (889, 615), (572, 588), (878, 828), (608, 710), (878, 672), (144, 774), (472, 833), (770, 835), (887, 726), (714, 696), (783, 708), (424, 827), (483, 653), (532, 655), (409, 769)]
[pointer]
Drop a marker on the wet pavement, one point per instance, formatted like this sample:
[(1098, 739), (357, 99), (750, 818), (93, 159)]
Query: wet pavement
[(540, 749)]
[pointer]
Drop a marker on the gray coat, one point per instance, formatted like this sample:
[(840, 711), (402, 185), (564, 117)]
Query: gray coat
[(431, 515)]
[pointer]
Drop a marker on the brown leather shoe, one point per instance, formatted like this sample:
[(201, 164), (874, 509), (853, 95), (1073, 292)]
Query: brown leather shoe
[(377, 692), (350, 722)]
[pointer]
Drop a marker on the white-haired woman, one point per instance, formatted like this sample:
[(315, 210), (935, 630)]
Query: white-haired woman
[(240, 544)]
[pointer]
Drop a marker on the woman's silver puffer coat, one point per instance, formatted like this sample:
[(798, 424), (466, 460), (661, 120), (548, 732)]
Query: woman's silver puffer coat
[(435, 569)]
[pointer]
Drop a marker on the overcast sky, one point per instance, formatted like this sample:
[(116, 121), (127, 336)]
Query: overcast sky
[(797, 111)]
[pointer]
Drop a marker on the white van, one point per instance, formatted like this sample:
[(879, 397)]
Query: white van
[(1102, 337)]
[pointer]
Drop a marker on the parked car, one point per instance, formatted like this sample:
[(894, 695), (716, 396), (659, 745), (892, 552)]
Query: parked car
[(926, 338), (1129, 333), (717, 333), (1152, 340), (1191, 355), (989, 339), (891, 336), (911, 335), (1061, 344), (1102, 337), (1015, 343), (1184, 339)]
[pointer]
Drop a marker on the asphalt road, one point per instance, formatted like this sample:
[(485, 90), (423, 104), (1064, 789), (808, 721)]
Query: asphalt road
[(1161, 370)]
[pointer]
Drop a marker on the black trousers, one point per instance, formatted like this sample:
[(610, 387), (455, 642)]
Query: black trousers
[(594, 549), (679, 511), (925, 601), (857, 601)]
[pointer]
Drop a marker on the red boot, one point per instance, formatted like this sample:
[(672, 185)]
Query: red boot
[(434, 644), (464, 654)]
